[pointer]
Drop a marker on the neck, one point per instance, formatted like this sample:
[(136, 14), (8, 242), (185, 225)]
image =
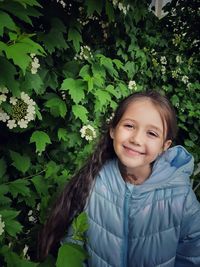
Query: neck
[(134, 176)]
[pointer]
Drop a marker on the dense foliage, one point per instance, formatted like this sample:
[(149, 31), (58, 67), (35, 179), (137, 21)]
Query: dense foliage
[(63, 68)]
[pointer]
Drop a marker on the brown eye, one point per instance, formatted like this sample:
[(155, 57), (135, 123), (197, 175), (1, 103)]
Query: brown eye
[(128, 125), (153, 134)]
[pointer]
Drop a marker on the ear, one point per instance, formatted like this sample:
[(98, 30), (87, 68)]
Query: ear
[(167, 144), (112, 133)]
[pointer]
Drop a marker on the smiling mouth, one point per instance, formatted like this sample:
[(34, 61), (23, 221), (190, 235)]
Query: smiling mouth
[(133, 151)]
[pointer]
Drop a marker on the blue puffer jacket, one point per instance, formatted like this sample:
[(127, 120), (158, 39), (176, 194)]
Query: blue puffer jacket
[(156, 224)]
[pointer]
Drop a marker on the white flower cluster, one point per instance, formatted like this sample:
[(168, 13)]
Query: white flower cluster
[(85, 53), (25, 250), (34, 64), (84, 21), (31, 218), (88, 132), (132, 85), (179, 59), (163, 62), (177, 39), (185, 80), (2, 225), (175, 73), (108, 120), (104, 27), (22, 110), (121, 7), (61, 2)]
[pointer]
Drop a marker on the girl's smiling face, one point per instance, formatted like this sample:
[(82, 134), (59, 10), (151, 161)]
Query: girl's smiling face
[(139, 137)]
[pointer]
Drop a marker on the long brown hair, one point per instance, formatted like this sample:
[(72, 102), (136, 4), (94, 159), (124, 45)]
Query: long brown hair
[(74, 196)]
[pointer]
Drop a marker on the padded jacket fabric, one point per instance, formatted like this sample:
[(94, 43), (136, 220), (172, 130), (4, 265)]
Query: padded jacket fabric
[(156, 224)]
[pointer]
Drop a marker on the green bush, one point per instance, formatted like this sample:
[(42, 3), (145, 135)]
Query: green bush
[(63, 70)]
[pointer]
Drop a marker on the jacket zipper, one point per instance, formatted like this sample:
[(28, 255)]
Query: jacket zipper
[(125, 243)]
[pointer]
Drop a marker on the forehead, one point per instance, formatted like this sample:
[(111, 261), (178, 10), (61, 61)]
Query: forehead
[(143, 111)]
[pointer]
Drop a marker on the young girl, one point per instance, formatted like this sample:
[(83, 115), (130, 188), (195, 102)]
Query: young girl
[(136, 192)]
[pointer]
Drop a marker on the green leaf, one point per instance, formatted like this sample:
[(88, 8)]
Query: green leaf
[(55, 38), (80, 226), (20, 162), (93, 6), (7, 76), (75, 88), (75, 37), (109, 11), (52, 169), (14, 260), (3, 167), (20, 51), (80, 112), (107, 63), (19, 187), (110, 88), (62, 134), (189, 143), (22, 13), (12, 226), (103, 97), (49, 262), (6, 21), (41, 139), (57, 106), (40, 185), (74, 254), (3, 199), (33, 82)]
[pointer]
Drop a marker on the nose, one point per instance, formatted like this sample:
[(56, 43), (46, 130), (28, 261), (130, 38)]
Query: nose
[(137, 137)]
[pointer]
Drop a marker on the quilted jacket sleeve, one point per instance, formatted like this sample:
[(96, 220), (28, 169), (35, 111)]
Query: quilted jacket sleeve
[(188, 252)]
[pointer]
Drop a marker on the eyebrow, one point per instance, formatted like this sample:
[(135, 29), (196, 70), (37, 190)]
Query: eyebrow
[(149, 125)]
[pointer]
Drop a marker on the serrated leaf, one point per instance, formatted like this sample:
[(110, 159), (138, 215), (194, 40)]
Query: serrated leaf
[(7, 76), (6, 21), (18, 52), (4, 200), (93, 6), (51, 169), (74, 254), (80, 112), (118, 63), (33, 82), (41, 139), (55, 37), (85, 71), (20, 162), (16, 9), (109, 10), (3, 167), (80, 226), (75, 88), (57, 106), (14, 260), (62, 134), (19, 187), (75, 37), (110, 88), (107, 63), (12, 226), (103, 97), (40, 185)]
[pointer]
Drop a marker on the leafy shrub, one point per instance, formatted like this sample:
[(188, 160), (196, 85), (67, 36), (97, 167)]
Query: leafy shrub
[(64, 67)]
